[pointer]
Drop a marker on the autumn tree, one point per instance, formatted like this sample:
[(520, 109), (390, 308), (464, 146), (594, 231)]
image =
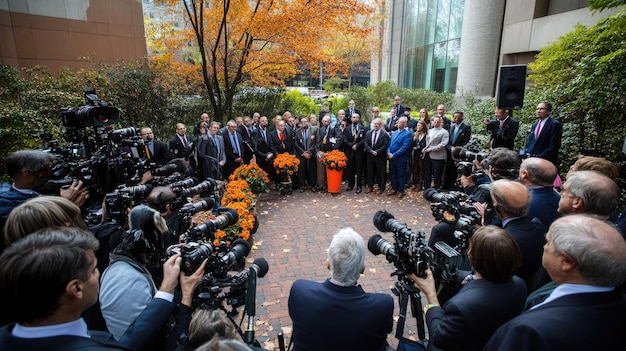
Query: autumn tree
[(255, 42)]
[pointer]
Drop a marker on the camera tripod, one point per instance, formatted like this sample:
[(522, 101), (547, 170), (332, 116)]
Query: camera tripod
[(407, 292)]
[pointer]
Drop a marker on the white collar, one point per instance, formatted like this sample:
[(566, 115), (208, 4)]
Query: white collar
[(75, 328)]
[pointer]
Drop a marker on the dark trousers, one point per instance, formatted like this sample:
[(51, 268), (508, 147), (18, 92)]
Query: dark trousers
[(417, 172), (433, 170), (397, 173), (376, 168), (450, 173), (307, 171), (354, 167)]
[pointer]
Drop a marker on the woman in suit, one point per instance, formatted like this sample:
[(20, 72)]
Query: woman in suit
[(417, 166), (493, 297)]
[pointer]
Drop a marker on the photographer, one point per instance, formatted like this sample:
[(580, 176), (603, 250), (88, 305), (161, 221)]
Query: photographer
[(338, 314), (127, 285), (29, 169), (467, 320)]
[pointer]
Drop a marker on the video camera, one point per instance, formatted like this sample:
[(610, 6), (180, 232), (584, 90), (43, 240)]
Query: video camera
[(409, 252)]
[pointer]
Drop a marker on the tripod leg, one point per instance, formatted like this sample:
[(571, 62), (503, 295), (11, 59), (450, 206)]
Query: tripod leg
[(416, 309)]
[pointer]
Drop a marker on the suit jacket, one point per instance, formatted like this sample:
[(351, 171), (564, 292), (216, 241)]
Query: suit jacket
[(437, 140), (464, 135), (179, 149), (530, 236), (279, 147), (261, 146), (310, 142), (505, 136), (549, 142), (162, 153), (330, 317), (573, 322), (400, 144), (145, 328), (399, 109), (246, 135), (382, 141), (325, 142), (211, 157), (544, 202), (231, 154), (468, 319), (348, 117), (350, 140)]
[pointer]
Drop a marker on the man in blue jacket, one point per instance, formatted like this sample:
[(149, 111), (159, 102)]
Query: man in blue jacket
[(398, 153)]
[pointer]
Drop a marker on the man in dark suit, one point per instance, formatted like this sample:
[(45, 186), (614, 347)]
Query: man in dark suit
[(503, 129), (460, 134), (351, 110), (354, 136), (280, 140), (233, 146), (157, 151), (212, 153), (245, 129), (63, 260), (376, 142), (305, 150), (537, 175), (545, 136), (338, 314), (586, 258), (262, 149), (397, 104), (182, 145), (511, 201)]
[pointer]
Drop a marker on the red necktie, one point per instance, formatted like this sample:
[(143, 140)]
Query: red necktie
[(282, 137)]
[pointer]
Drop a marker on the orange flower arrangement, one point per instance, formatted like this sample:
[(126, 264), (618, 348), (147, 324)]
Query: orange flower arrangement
[(240, 198), (287, 163), (255, 176), (336, 160), (237, 191)]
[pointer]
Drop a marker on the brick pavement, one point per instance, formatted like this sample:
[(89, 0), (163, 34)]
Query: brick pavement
[(294, 235)]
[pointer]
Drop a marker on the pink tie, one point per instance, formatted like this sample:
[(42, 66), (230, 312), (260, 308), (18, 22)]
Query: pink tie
[(538, 130)]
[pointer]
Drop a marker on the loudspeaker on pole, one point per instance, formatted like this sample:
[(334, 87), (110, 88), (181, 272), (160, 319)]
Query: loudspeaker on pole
[(511, 86)]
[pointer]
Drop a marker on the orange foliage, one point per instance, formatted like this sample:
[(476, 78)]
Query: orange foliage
[(261, 42)]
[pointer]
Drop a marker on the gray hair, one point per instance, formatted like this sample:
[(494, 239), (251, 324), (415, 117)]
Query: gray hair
[(600, 194), (346, 256), (540, 172), (34, 160), (596, 246)]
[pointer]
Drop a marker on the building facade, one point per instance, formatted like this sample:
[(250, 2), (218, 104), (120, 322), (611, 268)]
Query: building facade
[(458, 45), (61, 33)]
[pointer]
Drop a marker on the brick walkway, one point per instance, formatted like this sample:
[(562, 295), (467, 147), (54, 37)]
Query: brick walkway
[(293, 237)]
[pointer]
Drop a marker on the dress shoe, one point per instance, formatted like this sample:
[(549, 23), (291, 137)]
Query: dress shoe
[(400, 195), (379, 192), (314, 189), (391, 192), (368, 190), (303, 189), (358, 189), (349, 188)]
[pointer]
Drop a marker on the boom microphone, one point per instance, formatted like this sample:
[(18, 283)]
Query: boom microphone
[(259, 268)]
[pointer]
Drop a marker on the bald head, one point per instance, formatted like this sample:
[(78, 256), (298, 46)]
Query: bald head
[(510, 199), (537, 171)]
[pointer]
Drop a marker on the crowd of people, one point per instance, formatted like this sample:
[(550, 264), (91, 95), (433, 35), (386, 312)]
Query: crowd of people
[(547, 268)]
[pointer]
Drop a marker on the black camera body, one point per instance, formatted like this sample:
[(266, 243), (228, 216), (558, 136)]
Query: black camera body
[(409, 252)]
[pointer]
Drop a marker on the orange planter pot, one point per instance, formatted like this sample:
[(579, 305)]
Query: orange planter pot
[(333, 178)]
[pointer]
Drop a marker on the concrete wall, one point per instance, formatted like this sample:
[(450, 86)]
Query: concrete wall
[(58, 33)]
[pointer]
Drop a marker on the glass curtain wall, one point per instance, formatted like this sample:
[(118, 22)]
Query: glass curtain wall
[(432, 44)]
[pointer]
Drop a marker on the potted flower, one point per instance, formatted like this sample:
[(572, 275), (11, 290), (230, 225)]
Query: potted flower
[(335, 162), (255, 176), (286, 165), (239, 197)]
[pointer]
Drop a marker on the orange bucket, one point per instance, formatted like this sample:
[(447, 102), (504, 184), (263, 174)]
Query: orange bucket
[(333, 178)]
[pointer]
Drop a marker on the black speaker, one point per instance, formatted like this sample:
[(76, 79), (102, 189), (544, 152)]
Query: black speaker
[(511, 87)]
